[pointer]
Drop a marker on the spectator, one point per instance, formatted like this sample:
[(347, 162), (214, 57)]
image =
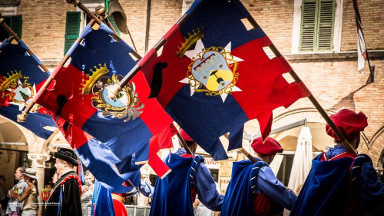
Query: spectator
[(14, 207), (86, 197), (30, 194)]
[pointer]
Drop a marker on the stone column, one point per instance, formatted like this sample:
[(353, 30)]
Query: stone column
[(38, 163)]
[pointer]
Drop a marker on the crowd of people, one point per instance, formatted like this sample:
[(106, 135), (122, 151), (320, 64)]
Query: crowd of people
[(341, 182)]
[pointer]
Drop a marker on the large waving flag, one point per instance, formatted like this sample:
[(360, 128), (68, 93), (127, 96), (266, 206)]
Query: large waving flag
[(79, 95), (100, 160), (20, 79), (213, 75)]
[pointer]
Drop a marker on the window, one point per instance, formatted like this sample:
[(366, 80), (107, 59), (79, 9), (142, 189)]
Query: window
[(76, 22), (15, 23), (317, 26), (72, 29)]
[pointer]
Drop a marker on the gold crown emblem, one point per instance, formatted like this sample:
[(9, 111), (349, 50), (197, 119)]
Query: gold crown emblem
[(45, 189), (10, 81), (189, 41), (90, 80)]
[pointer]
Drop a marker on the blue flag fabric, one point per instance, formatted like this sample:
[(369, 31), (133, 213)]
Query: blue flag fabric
[(213, 75), (102, 203), (20, 79), (100, 160), (125, 125)]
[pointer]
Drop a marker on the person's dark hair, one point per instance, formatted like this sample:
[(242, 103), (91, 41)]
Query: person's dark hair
[(2, 177)]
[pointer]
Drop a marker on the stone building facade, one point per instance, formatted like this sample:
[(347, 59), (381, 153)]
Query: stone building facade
[(331, 75)]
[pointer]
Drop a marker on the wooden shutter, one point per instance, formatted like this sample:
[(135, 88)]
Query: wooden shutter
[(16, 24), (317, 25), (72, 29), (326, 20)]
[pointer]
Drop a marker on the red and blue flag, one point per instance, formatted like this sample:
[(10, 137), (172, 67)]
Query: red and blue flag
[(213, 75), (100, 160), (79, 95), (20, 79)]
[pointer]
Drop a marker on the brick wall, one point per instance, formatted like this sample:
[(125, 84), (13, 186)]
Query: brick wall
[(334, 82)]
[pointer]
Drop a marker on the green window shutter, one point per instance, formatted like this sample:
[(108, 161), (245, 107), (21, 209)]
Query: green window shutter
[(15, 23), (326, 20), (72, 29), (317, 25), (308, 25), (112, 20)]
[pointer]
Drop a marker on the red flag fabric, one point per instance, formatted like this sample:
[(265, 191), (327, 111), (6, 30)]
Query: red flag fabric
[(162, 140), (79, 95), (213, 75)]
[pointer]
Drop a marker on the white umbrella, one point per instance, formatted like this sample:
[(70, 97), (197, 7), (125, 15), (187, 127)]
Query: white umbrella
[(302, 161)]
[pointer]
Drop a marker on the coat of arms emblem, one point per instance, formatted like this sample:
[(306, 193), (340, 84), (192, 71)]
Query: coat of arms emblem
[(212, 70), (16, 89), (126, 105)]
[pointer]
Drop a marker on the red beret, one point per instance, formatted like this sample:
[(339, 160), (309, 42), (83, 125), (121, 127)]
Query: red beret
[(185, 136), (269, 147), (348, 122)]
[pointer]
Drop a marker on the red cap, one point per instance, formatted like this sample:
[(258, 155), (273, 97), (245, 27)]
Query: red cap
[(269, 147), (185, 136), (348, 122)]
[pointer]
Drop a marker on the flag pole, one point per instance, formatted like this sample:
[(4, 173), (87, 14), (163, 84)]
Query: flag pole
[(99, 21), (114, 90), (245, 152), (17, 38), (184, 144), (22, 117), (311, 97), (371, 77)]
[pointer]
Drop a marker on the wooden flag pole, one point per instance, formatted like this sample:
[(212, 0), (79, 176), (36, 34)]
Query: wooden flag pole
[(99, 21), (245, 152), (311, 97), (114, 91), (22, 117), (45, 69), (185, 146), (248, 155)]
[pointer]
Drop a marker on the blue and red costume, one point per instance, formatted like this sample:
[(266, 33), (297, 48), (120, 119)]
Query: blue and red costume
[(175, 193), (341, 182), (254, 188)]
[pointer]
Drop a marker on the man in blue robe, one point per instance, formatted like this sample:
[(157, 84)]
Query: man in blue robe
[(254, 188), (175, 193), (341, 182)]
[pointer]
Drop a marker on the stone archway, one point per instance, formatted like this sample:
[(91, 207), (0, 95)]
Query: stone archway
[(377, 148), (313, 119)]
